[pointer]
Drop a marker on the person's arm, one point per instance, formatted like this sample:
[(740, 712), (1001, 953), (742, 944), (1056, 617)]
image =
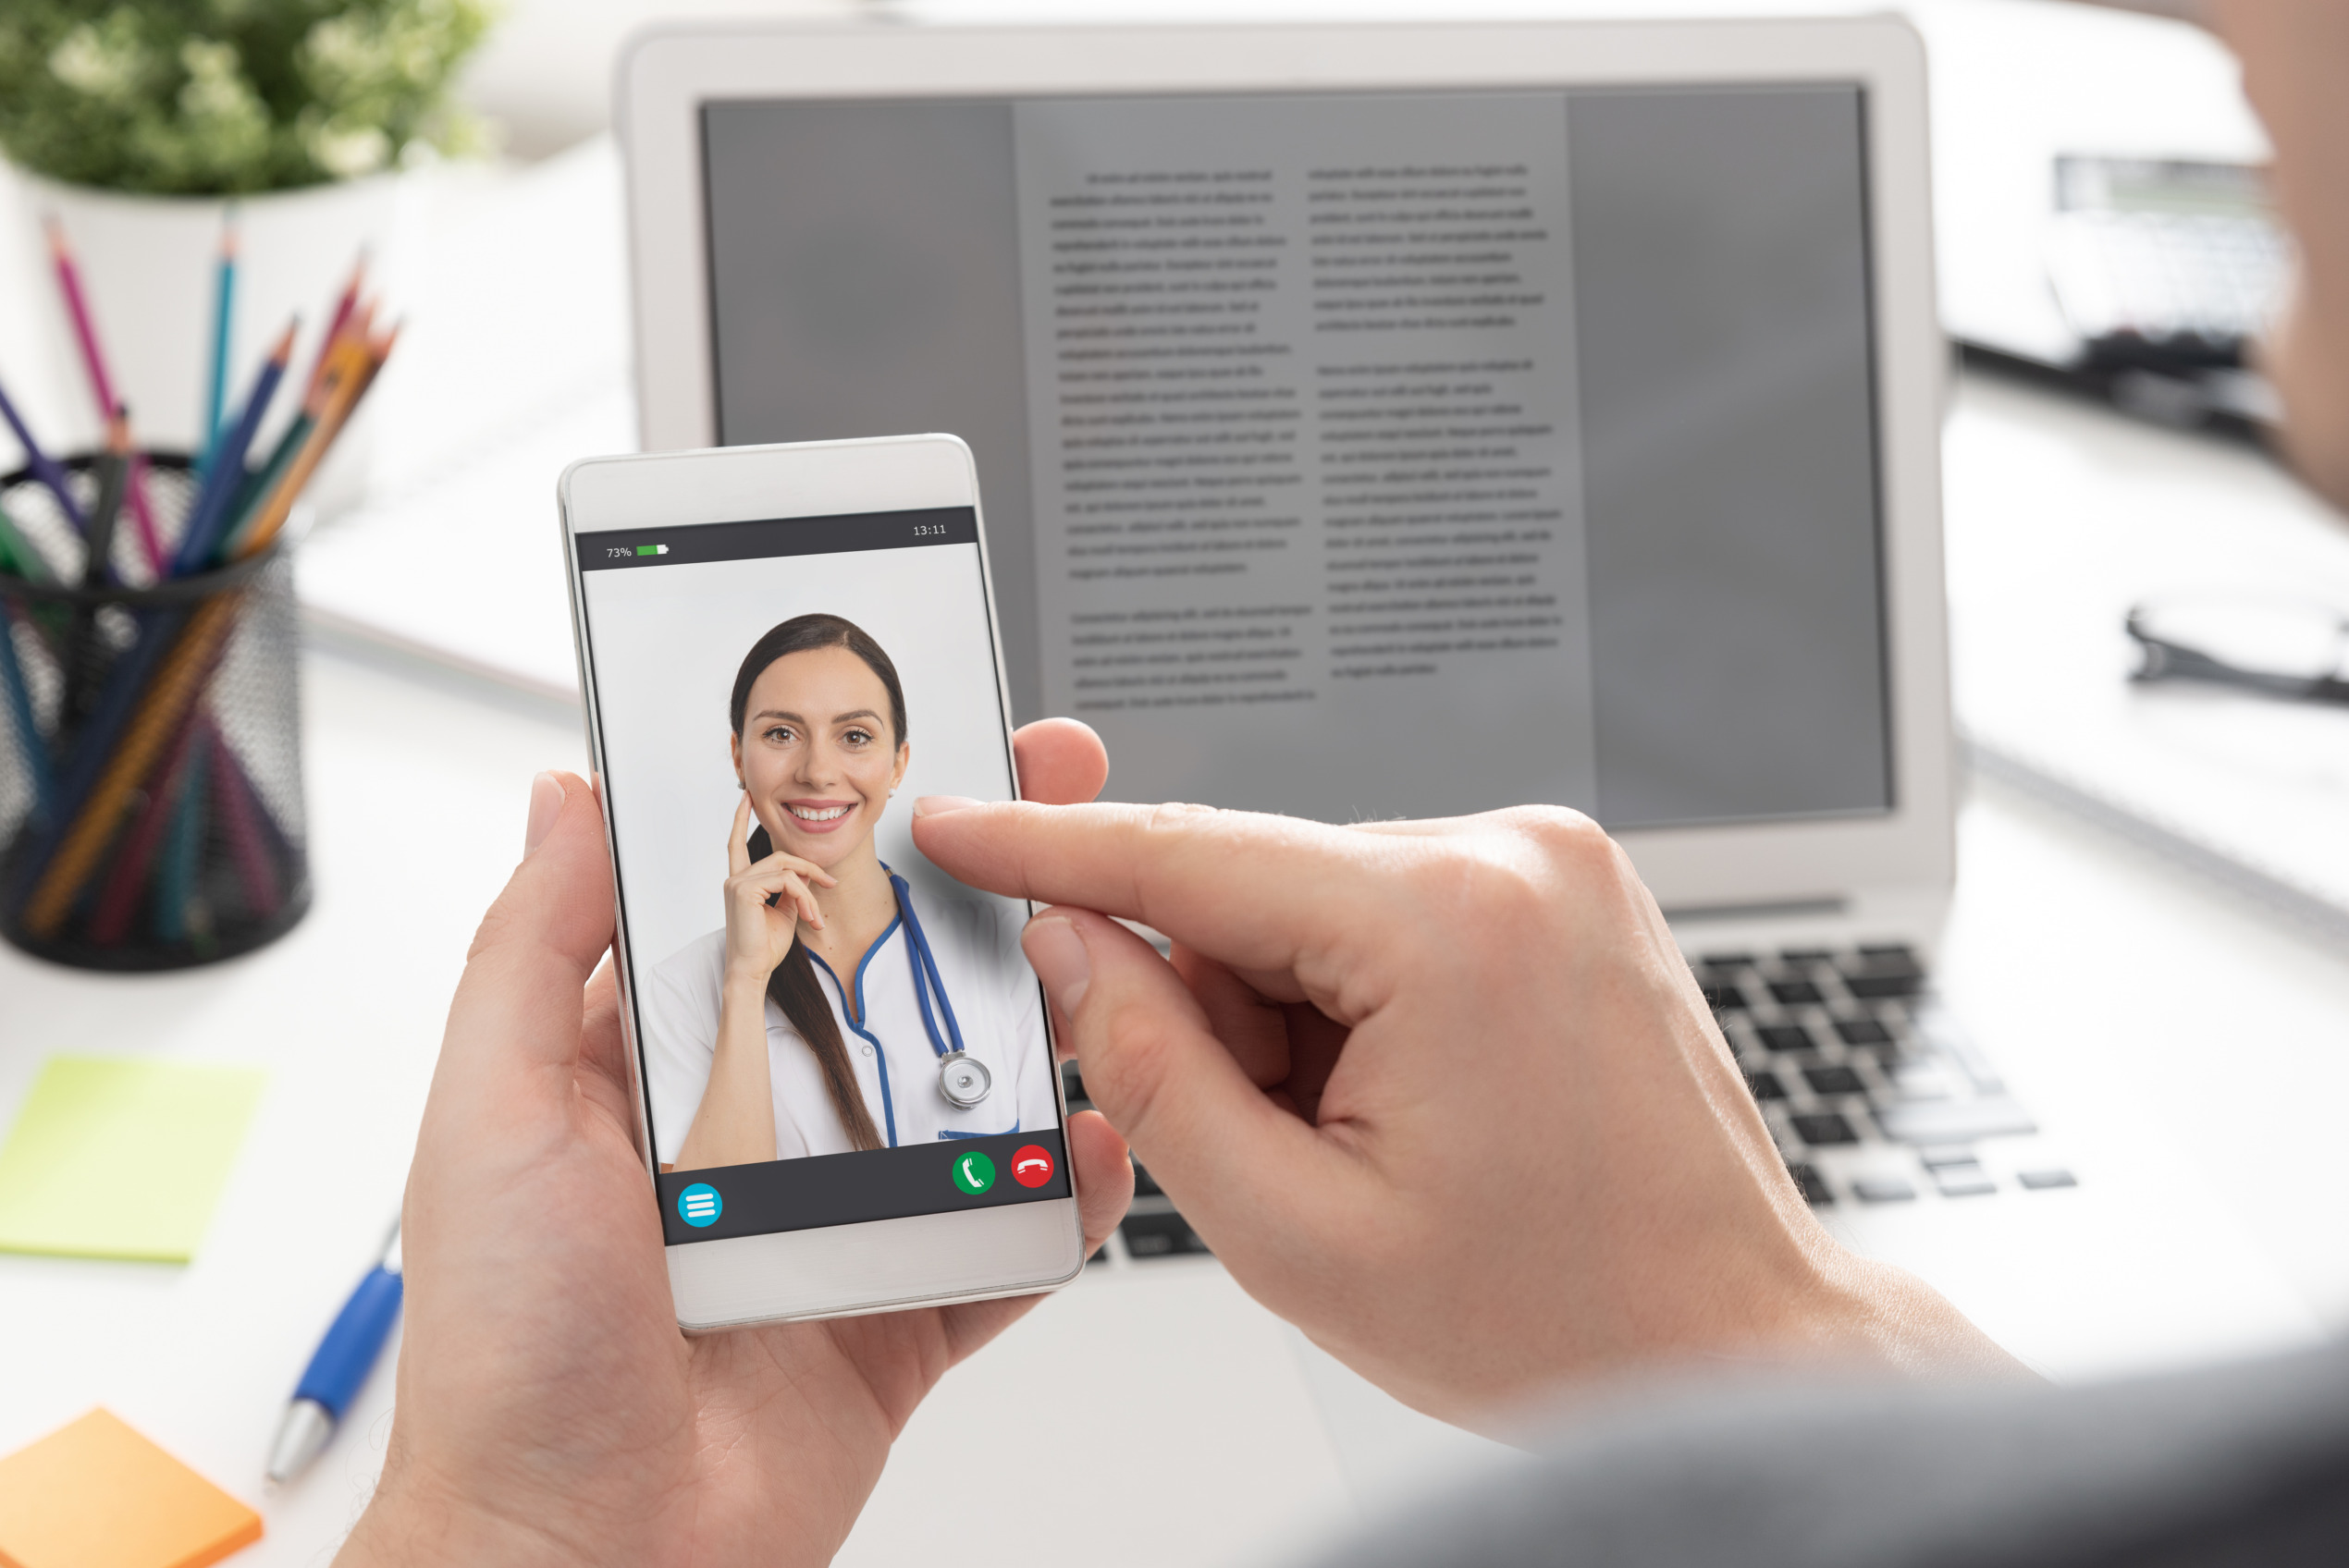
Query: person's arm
[(735, 1125), (1444, 1095), (736, 1122), (2296, 69), (549, 1410)]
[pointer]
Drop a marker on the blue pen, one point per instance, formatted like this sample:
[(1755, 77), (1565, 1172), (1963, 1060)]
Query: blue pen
[(338, 1367)]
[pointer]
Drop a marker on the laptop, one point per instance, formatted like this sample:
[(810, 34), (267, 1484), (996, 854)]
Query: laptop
[(1403, 420)]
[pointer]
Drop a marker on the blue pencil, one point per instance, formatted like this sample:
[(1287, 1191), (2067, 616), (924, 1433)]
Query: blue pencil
[(44, 467), (174, 886), (36, 755), (210, 517), (223, 320)]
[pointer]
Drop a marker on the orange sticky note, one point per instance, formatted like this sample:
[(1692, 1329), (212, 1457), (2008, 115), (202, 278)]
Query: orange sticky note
[(95, 1494)]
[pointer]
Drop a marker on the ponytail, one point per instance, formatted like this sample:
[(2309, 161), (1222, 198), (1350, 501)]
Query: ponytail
[(800, 997)]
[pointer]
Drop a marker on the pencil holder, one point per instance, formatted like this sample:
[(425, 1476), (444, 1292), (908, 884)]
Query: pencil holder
[(151, 799)]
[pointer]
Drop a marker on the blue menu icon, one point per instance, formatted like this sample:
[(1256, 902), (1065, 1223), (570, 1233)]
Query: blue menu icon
[(700, 1204)]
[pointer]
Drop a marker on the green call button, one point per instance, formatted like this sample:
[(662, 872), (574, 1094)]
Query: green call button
[(973, 1172)]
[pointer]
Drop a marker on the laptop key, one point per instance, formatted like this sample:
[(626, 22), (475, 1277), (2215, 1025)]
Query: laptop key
[(1821, 1129), (1803, 955), (1145, 1184), (1967, 1180), (1883, 1189), (1724, 999), (1813, 1186), (1726, 961), (2042, 1181), (1862, 1031), (1794, 993), (1160, 1235), (1834, 1081), (1786, 1036), (1877, 987), (1765, 1085), (1955, 1121)]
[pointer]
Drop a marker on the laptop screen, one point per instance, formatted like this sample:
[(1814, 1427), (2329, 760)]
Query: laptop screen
[(1359, 455)]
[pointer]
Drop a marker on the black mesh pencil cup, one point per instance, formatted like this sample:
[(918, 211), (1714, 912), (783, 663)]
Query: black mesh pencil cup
[(151, 801)]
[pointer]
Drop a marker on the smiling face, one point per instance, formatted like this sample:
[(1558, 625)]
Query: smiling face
[(817, 755)]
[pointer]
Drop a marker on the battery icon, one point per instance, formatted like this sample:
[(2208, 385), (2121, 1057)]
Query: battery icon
[(652, 549)]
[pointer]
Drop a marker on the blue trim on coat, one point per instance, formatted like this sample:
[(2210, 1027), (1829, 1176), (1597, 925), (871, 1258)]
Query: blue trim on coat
[(880, 1052)]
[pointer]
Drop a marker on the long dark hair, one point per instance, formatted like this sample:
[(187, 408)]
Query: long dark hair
[(794, 984)]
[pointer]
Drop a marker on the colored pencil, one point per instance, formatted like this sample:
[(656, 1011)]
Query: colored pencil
[(85, 330), (251, 830), (83, 660), (224, 326), (93, 360), (210, 517), (344, 305), (119, 898), (349, 371), (34, 751), (114, 477), (179, 676), (44, 467), (18, 554), (255, 495), (176, 879)]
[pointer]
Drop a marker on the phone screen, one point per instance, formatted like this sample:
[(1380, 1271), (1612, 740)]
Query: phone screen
[(832, 1030)]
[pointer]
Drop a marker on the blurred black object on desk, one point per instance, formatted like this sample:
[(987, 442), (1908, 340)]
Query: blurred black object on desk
[(2167, 270)]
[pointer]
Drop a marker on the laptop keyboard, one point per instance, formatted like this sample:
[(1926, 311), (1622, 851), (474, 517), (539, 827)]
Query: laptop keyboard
[(1872, 1093)]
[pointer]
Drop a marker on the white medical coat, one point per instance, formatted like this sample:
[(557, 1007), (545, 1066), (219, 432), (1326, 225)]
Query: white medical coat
[(986, 977)]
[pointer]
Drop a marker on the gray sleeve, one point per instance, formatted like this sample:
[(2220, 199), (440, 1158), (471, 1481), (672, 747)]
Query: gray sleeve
[(2243, 1465)]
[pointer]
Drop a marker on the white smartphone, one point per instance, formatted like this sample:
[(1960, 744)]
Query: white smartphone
[(846, 1089)]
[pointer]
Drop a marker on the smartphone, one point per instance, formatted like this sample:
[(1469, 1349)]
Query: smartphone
[(845, 1084)]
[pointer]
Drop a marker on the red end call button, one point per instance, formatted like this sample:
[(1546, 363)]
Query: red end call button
[(1032, 1166)]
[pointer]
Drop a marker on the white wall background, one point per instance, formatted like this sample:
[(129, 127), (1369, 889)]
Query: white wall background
[(668, 640)]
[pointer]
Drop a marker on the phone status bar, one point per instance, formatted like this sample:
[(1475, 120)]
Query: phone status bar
[(635, 549)]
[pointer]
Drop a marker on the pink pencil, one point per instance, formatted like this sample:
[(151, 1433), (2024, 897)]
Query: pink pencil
[(94, 360), (344, 307)]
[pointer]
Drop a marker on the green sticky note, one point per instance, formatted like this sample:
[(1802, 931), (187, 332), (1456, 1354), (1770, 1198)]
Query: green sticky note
[(121, 1159)]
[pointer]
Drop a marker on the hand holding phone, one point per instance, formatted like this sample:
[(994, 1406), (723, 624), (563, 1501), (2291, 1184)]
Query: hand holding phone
[(540, 1319)]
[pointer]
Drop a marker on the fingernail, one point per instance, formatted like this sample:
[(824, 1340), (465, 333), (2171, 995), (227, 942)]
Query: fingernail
[(1056, 951), (939, 805), (546, 805)]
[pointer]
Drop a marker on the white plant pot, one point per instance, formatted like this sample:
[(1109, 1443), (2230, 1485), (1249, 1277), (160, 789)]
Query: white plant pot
[(148, 269)]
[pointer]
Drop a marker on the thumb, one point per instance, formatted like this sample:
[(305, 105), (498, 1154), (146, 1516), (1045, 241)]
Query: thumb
[(1242, 1170), (519, 1001)]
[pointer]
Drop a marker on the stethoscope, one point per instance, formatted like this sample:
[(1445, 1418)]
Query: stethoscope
[(961, 1077)]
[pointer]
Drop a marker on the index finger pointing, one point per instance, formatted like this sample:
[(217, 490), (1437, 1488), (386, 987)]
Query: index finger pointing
[(1249, 889), (738, 843)]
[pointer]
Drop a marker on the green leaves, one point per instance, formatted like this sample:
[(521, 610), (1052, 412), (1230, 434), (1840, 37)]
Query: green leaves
[(221, 97)]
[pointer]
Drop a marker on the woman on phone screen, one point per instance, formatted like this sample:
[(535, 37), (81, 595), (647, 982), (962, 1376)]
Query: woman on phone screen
[(830, 1013)]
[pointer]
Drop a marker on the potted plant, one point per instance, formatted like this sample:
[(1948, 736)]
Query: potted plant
[(137, 124)]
